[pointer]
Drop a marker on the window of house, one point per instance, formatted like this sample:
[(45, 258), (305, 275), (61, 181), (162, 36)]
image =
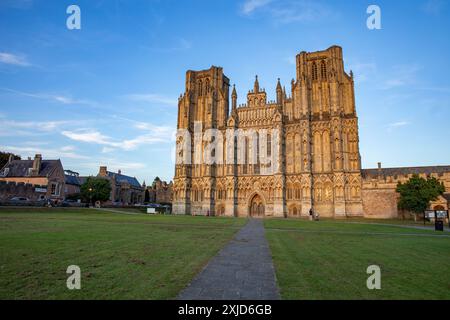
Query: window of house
[(54, 190)]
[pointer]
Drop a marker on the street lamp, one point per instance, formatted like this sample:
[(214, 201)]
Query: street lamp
[(90, 195)]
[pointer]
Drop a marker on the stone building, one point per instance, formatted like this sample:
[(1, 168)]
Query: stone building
[(310, 136), (125, 190), (159, 192), (378, 189), (73, 183), (46, 176)]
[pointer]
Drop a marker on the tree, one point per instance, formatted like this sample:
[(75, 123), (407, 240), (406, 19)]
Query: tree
[(95, 189), (417, 192), (4, 157)]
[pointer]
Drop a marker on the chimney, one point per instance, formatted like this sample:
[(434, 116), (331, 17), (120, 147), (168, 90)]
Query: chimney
[(102, 171), (10, 158), (119, 172), (379, 165), (37, 164)]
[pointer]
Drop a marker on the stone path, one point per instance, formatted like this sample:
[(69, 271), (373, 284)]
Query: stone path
[(243, 269)]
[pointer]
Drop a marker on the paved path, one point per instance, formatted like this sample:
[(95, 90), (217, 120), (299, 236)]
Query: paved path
[(429, 227), (243, 269)]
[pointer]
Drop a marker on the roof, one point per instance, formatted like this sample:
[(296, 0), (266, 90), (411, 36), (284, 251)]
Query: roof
[(405, 171), (73, 180), (123, 178), (20, 168)]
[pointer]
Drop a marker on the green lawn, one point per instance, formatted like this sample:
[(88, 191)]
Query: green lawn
[(328, 260), (137, 256), (121, 256)]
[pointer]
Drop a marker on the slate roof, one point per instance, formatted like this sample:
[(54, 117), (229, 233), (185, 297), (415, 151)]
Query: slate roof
[(73, 180), (123, 178), (20, 168), (404, 171)]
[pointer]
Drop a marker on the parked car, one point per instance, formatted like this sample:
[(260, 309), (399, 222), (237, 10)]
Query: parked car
[(19, 199)]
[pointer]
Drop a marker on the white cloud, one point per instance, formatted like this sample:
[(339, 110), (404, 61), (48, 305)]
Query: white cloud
[(251, 5), (47, 153), (152, 98), (155, 134), (396, 125), (51, 97), (288, 11), (17, 128), (401, 76), (13, 59), (89, 136), (363, 71), (399, 124), (112, 165)]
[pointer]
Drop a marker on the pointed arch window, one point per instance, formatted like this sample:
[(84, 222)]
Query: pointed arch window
[(314, 71), (207, 86), (200, 87), (323, 70)]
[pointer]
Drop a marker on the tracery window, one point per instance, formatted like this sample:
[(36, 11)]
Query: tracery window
[(314, 71), (323, 70)]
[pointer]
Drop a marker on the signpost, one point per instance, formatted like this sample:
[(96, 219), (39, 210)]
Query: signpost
[(439, 217)]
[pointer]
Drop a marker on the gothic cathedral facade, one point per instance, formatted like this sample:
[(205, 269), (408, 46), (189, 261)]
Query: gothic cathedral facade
[(318, 146)]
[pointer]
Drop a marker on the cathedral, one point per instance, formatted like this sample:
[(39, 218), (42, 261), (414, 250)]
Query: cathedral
[(309, 134)]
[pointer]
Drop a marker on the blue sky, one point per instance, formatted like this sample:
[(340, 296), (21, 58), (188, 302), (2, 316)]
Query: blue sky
[(107, 94)]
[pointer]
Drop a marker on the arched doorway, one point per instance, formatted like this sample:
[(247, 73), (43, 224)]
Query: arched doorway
[(256, 207)]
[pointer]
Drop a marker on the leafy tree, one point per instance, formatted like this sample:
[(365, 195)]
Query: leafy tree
[(4, 157), (95, 189), (417, 192)]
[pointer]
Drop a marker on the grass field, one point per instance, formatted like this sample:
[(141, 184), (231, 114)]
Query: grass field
[(136, 256), (121, 256), (328, 260)]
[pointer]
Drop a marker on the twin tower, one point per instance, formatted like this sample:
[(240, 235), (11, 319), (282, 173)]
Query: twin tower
[(311, 132)]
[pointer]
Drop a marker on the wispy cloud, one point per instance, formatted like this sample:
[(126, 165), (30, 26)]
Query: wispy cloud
[(180, 44), (251, 5), (59, 98), (433, 7), (401, 76), (55, 153), (398, 124), (363, 71), (23, 128), (112, 164), (14, 59), (17, 4), (288, 11), (152, 98), (154, 134)]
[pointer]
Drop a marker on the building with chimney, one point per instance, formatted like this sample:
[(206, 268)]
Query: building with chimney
[(125, 190), (35, 179)]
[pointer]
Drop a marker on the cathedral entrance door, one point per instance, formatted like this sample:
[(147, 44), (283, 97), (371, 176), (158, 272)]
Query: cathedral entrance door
[(256, 207)]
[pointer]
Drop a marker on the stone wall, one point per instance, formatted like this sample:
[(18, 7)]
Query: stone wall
[(9, 190), (380, 203)]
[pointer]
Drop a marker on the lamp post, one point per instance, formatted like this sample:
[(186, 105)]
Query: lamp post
[(90, 196)]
